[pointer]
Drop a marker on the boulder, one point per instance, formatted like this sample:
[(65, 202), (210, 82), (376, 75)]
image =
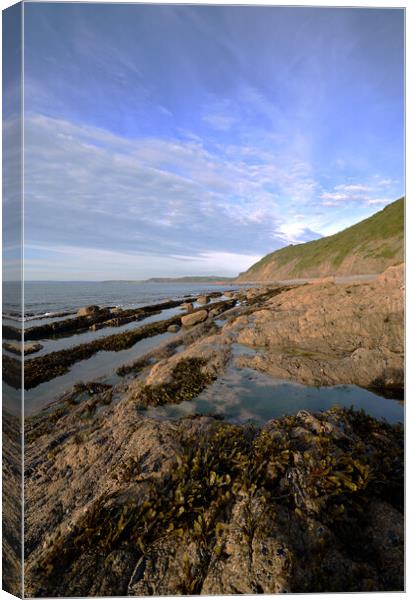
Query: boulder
[(187, 306), (88, 311), (173, 328), (203, 299), (194, 318), (31, 347), (28, 347)]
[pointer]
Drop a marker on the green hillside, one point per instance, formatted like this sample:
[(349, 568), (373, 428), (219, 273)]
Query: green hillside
[(367, 247)]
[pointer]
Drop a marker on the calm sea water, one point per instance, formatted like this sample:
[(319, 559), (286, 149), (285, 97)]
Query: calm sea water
[(44, 297)]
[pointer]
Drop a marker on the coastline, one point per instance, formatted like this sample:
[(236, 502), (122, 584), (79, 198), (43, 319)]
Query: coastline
[(132, 476)]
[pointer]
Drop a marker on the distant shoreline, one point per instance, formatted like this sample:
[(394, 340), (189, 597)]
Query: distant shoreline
[(222, 281)]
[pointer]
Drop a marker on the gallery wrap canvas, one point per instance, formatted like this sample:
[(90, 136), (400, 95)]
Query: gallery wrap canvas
[(203, 299)]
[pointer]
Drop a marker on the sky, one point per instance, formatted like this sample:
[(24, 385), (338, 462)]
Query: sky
[(193, 140)]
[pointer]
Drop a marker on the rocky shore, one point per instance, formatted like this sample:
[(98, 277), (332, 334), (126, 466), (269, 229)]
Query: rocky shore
[(118, 503), (12, 509)]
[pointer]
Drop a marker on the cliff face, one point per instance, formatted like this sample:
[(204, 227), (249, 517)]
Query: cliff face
[(367, 247)]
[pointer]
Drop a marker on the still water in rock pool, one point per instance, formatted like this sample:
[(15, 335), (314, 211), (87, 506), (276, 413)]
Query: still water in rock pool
[(244, 395)]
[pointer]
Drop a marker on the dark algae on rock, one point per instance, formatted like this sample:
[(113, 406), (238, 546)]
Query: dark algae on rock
[(103, 317), (43, 368), (294, 506), (187, 381)]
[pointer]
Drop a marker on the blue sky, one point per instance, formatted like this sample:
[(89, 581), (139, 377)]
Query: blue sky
[(177, 140)]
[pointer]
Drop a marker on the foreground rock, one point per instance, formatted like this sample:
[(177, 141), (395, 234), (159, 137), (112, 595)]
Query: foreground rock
[(305, 504), (11, 504)]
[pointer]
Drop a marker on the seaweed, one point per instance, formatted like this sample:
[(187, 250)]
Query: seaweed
[(43, 368), (188, 379), (309, 475)]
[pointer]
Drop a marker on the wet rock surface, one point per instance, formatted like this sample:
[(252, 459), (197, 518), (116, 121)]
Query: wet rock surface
[(44, 368), (187, 306), (94, 315), (194, 318), (18, 348), (87, 311)]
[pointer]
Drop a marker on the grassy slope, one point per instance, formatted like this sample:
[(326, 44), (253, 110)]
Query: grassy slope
[(373, 238)]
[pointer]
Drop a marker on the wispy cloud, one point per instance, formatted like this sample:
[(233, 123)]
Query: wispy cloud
[(353, 187), (220, 122), (379, 201), (88, 187), (363, 193), (385, 182), (76, 262)]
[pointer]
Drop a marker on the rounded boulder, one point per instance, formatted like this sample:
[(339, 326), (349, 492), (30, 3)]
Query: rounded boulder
[(194, 318)]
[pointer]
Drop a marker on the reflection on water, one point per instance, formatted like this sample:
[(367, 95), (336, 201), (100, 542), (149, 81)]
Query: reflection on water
[(243, 395), (70, 340), (101, 367), (11, 399)]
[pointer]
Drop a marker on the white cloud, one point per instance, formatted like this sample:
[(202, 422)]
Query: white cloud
[(156, 197), (294, 233), (330, 203), (353, 187), (334, 196), (379, 201), (364, 193), (385, 182)]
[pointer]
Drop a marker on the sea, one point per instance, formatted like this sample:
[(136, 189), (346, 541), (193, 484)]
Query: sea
[(45, 298)]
